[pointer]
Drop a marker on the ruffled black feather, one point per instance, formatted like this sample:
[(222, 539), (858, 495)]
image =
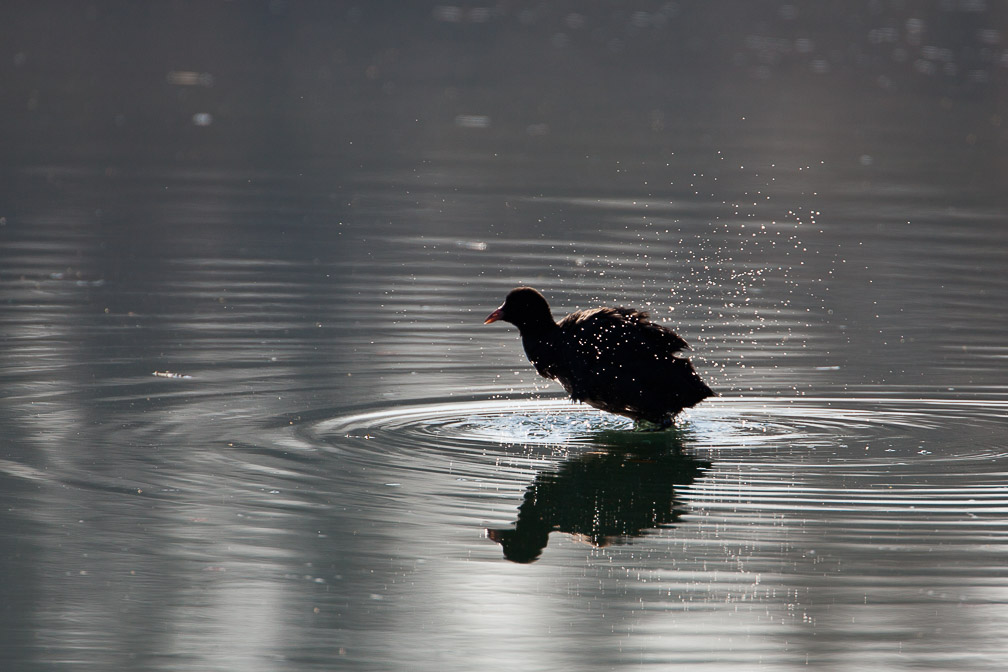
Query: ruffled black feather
[(614, 359)]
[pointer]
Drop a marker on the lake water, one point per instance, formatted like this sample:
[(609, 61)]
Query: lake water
[(252, 419)]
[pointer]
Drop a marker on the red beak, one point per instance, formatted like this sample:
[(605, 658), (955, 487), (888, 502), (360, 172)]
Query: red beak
[(494, 316)]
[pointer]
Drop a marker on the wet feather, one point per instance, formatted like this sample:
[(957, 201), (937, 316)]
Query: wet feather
[(614, 359)]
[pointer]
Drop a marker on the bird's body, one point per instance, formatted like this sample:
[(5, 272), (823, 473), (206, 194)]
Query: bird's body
[(614, 359)]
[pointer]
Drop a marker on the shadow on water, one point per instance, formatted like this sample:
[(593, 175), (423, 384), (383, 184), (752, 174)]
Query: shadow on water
[(622, 489)]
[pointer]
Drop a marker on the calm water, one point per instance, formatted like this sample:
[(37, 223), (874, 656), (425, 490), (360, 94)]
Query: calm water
[(251, 417)]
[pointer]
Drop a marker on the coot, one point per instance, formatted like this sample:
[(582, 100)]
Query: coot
[(613, 359)]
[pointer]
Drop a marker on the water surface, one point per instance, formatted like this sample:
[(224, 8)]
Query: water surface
[(252, 418)]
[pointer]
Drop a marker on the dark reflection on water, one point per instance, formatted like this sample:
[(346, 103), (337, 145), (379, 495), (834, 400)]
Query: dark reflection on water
[(622, 491), (251, 419)]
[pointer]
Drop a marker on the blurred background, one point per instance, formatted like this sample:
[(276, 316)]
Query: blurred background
[(173, 130)]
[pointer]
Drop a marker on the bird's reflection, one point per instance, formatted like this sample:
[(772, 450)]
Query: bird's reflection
[(622, 488)]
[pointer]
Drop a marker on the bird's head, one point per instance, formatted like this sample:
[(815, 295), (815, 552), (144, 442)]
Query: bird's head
[(523, 307)]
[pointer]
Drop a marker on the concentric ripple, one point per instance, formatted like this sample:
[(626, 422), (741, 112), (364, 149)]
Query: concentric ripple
[(531, 421), (866, 430), (868, 466)]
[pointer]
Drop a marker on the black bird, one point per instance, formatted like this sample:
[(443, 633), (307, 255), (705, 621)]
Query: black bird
[(613, 359)]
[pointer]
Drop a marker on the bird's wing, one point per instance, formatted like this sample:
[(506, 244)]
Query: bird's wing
[(599, 333), (659, 338)]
